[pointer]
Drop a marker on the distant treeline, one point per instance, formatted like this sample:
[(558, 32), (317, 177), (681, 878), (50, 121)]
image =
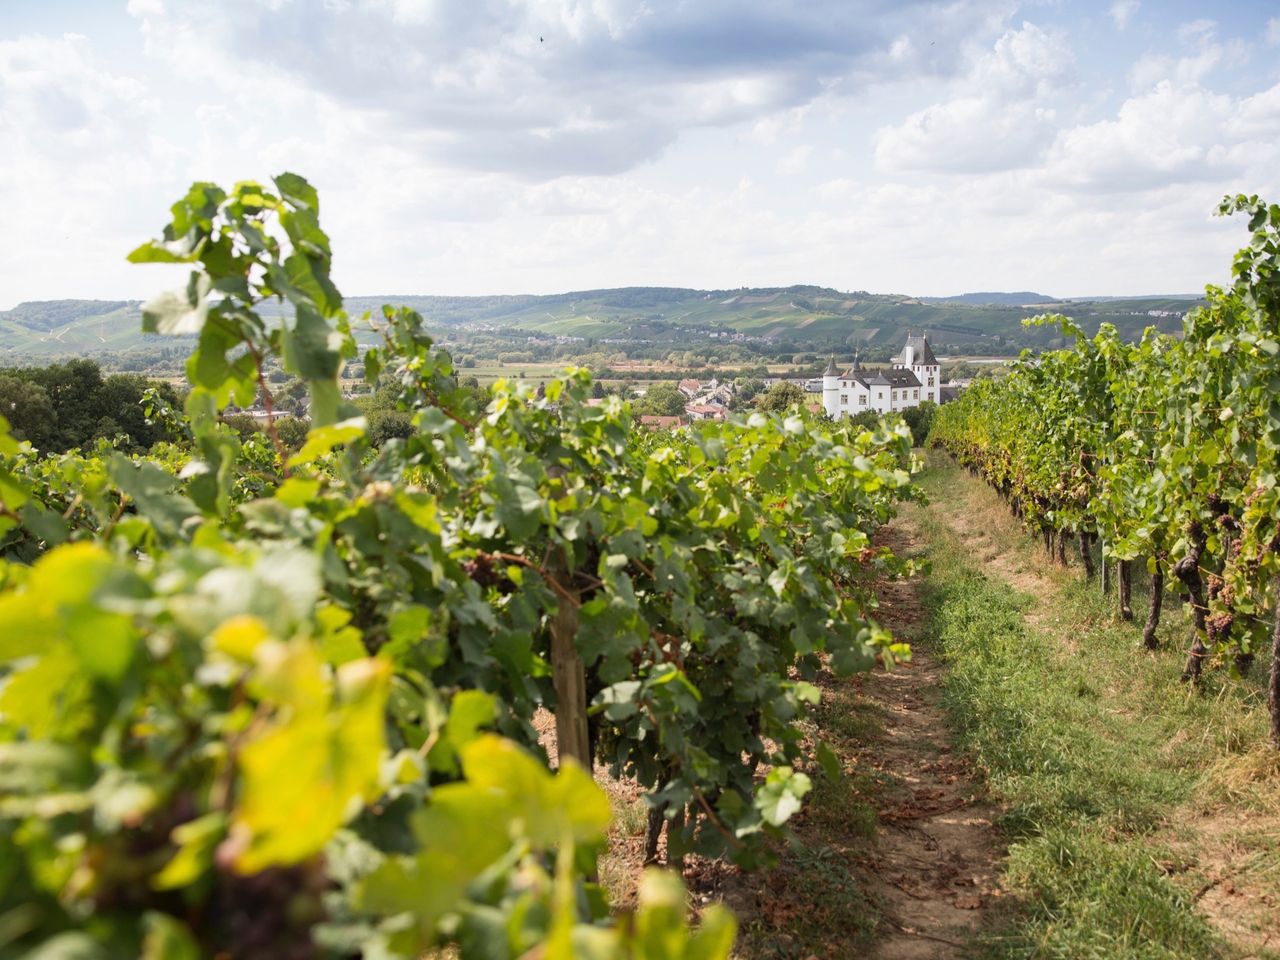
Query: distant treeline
[(66, 405)]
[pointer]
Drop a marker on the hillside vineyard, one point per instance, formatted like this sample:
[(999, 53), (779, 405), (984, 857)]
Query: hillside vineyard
[(266, 701), (1167, 450)]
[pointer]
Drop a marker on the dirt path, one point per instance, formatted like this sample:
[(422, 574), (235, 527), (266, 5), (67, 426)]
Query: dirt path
[(933, 869)]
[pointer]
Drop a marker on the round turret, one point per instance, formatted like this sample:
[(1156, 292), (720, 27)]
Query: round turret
[(831, 388)]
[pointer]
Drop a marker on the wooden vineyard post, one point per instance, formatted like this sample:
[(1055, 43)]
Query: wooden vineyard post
[(1106, 571), (569, 677), (1124, 588), (1273, 685)]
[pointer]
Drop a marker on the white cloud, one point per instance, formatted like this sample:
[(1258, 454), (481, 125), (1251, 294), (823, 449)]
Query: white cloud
[(999, 118), (1273, 31), (796, 160), (559, 87), (1150, 71), (1170, 135), (146, 8), (1198, 31), (457, 153), (966, 135), (1122, 11)]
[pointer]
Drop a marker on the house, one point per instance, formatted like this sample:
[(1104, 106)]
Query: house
[(690, 388), (705, 411), (914, 377), (653, 422), (719, 396)]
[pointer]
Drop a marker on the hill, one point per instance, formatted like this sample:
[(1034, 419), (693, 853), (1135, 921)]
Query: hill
[(1021, 298), (775, 318)]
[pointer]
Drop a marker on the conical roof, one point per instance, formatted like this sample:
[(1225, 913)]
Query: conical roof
[(831, 368), (921, 352)]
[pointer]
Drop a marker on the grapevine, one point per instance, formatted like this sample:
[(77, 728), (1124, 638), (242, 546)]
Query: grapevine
[(257, 701), (1165, 449)]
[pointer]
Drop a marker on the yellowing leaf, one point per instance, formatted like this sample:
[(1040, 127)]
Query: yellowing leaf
[(240, 636), (550, 808), (468, 712), (308, 775), (339, 643), (323, 439), (291, 675), (196, 841), (298, 491)]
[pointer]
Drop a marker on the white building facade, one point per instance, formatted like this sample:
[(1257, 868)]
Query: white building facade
[(915, 377)]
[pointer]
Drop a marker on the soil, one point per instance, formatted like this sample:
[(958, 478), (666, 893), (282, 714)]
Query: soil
[(933, 868), (1238, 894), (621, 867), (926, 879)]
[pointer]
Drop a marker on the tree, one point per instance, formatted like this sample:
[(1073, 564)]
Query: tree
[(71, 405), (29, 411), (867, 419), (781, 397), (292, 432), (73, 390), (746, 390), (120, 400), (662, 400), (920, 419), (386, 425)]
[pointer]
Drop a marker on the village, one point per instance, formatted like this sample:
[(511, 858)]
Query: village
[(914, 377)]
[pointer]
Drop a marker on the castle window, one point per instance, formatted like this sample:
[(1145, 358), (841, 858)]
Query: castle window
[(862, 400), (915, 394)]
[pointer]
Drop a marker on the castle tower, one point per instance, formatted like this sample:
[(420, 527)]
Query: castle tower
[(831, 389), (917, 356)]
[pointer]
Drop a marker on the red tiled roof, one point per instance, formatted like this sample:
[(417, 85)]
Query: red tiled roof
[(661, 423)]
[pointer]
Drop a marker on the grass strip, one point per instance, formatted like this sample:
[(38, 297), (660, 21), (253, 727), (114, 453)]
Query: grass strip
[(1092, 746)]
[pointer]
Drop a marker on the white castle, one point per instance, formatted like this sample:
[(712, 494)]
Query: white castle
[(914, 378)]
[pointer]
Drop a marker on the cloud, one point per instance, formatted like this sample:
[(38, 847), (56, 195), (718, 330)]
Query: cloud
[(1122, 11), (1197, 31), (1257, 116), (558, 86), (998, 118), (796, 161), (641, 142), (1272, 33), (1172, 134)]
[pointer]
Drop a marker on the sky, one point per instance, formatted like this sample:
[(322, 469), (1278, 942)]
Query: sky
[(536, 146)]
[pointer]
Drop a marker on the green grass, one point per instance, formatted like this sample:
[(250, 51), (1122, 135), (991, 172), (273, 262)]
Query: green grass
[(1094, 747)]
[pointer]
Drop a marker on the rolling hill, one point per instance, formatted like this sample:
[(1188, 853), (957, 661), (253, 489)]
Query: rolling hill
[(806, 317)]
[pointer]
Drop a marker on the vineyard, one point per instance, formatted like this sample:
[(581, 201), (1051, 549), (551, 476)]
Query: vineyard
[(261, 700), (285, 695), (1165, 452)]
